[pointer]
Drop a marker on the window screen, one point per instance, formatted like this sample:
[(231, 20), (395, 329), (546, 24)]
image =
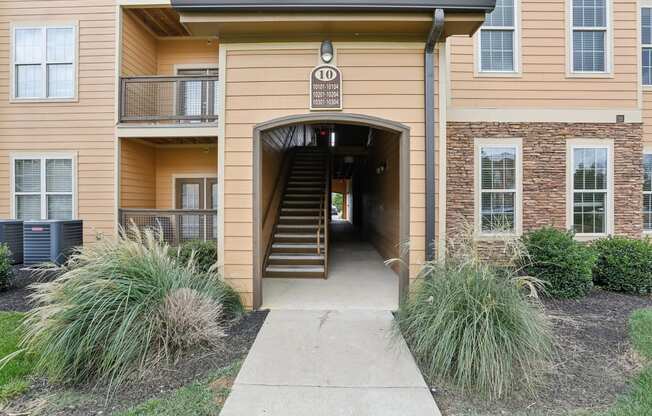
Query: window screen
[(44, 62), (646, 44), (497, 188), (43, 188), (497, 38), (590, 187), (647, 192), (589, 35)]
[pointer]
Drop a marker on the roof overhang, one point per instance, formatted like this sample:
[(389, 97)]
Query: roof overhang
[(283, 19), (412, 26), (334, 5)]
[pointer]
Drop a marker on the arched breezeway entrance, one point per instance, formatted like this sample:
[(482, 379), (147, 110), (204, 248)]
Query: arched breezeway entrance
[(387, 172)]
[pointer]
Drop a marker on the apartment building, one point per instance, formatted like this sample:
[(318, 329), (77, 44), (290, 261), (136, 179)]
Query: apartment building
[(236, 121)]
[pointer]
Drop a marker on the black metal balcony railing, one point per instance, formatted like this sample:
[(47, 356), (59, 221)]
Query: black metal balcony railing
[(176, 226), (169, 100)]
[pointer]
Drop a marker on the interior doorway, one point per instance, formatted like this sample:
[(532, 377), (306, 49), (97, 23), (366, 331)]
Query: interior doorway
[(330, 251)]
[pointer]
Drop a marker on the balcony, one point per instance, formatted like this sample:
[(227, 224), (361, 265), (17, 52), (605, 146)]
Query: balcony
[(176, 225), (187, 100)]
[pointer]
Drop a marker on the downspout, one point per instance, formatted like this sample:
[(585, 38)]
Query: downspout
[(435, 33)]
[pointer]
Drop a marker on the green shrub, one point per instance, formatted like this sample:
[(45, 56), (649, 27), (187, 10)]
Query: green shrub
[(560, 261), (123, 305), (476, 327), (6, 269), (624, 265), (204, 254)]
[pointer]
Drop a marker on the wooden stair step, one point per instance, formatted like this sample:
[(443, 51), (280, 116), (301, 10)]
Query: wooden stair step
[(297, 268), (299, 258), (298, 227), (299, 247), (309, 236), (315, 218)]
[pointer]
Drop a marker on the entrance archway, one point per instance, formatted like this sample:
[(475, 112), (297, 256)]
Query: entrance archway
[(400, 130)]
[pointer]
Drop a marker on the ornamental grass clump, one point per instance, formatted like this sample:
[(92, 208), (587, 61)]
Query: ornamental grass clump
[(477, 325), (121, 306)]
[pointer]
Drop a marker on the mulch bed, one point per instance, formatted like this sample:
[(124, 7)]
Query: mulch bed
[(593, 362), (16, 296), (90, 400)]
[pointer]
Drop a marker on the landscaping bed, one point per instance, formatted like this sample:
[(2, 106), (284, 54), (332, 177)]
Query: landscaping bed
[(16, 297), (593, 361), (163, 384)]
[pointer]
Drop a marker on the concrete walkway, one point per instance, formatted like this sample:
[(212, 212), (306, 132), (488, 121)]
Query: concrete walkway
[(357, 279), (329, 363)]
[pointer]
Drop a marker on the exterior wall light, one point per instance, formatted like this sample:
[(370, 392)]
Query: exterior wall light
[(326, 51)]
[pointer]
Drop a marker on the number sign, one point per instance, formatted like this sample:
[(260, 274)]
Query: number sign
[(326, 88)]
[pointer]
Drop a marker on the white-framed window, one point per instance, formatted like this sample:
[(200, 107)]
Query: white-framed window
[(498, 186), (589, 36), (498, 40), (44, 62), (43, 187), (646, 46), (590, 184), (647, 191)]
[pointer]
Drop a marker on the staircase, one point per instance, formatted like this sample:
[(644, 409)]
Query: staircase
[(299, 247)]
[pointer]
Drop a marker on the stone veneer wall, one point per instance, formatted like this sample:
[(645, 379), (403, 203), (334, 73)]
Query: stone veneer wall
[(544, 171)]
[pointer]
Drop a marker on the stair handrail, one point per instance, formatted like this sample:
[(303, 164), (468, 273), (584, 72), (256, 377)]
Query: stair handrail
[(326, 210), (321, 206)]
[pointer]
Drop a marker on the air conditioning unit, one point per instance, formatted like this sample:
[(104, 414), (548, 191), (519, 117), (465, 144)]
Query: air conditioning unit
[(11, 234), (51, 240)]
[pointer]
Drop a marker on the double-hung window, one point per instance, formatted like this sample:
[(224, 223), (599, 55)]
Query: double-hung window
[(647, 192), (498, 186), (646, 45), (43, 187), (589, 36), (498, 39), (591, 181), (44, 62)]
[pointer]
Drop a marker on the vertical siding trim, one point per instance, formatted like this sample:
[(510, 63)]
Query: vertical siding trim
[(117, 156), (221, 151)]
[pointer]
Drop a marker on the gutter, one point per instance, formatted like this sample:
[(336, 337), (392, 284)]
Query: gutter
[(436, 30)]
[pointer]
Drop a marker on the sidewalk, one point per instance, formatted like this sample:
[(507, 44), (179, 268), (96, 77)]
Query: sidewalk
[(329, 363)]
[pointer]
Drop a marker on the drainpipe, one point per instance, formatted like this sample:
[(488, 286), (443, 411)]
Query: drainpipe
[(435, 33)]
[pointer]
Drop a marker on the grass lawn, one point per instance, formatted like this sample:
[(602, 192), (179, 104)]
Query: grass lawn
[(638, 402), (13, 376), (202, 398)]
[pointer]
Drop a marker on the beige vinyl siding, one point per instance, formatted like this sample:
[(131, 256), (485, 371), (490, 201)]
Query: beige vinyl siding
[(137, 175), (186, 53), (177, 162), (381, 202), (85, 127), (139, 48), (148, 172), (543, 83), (267, 83)]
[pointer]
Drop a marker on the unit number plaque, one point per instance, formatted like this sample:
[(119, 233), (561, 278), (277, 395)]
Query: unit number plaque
[(326, 88)]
